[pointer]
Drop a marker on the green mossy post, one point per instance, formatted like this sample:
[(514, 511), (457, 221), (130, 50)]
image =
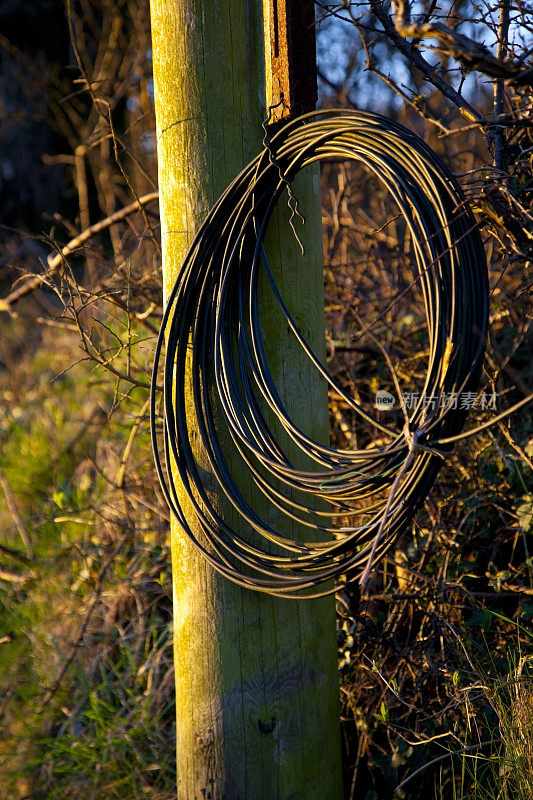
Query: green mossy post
[(256, 677)]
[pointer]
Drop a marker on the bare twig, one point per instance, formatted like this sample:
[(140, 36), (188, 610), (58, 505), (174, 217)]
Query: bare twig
[(85, 624), (55, 261), (431, 74), (13, 510), (119, 479), (12, 577), (452, 753), (499, 91), (472, 55)]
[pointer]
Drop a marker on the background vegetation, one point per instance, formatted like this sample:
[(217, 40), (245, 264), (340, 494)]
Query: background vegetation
[(435, 659)]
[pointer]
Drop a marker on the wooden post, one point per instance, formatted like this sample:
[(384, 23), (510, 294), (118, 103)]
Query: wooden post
[(256, 677), (291, 58)]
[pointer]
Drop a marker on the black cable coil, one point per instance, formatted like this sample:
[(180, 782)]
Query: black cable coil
[(212, 331)]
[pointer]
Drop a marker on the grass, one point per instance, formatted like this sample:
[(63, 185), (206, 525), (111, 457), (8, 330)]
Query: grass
[(95, 594), (501, 767)]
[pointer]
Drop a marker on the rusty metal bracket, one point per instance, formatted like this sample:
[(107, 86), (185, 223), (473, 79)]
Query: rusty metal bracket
[(292, 58)]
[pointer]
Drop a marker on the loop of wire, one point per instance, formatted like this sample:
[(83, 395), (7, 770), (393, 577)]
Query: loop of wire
[(212, 350)]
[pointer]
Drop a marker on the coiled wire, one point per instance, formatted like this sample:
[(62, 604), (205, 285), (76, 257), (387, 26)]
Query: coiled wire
[(211, 332)]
